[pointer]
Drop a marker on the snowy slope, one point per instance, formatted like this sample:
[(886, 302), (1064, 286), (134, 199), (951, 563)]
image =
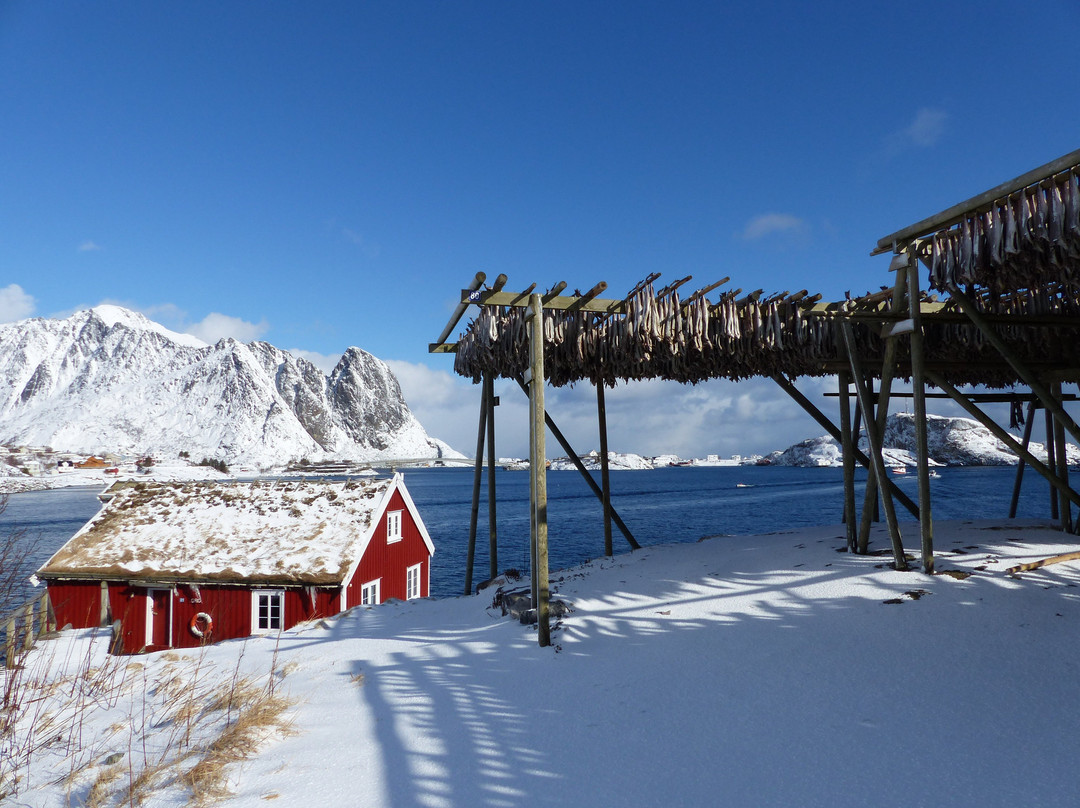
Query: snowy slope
[(751, 671), (951, 441), (109, 379)]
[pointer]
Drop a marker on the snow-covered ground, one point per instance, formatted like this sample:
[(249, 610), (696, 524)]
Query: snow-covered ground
[(170, 471), (752, 671)]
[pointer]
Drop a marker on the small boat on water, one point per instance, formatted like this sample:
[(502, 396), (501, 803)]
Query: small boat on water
[(743, 485), (898, 469)]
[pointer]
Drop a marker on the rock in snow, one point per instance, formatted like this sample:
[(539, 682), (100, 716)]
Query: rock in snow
[(951, 441), (109, 379)]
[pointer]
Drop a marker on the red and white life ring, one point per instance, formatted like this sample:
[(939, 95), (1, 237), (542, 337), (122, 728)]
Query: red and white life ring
[(201, 625)]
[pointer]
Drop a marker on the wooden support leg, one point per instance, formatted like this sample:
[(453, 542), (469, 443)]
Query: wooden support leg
[(589, 481), (1051, 461), (848, 450), (874, 437), (1062, 464), (470, 553), (834, 431), (918, 385), (493, 533), (1045, 470), (605, 476), (538, 461), (1015, 501)]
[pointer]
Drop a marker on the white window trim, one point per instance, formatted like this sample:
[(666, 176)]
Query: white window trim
[(255, 594), (416, 569), (393, 527), (150, 615), (376, 587)]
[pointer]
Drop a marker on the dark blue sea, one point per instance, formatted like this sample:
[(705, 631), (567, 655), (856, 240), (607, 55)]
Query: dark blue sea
[(659, 506)]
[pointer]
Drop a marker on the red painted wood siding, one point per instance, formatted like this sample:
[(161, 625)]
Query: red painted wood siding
[(388, 562), (78, 603)]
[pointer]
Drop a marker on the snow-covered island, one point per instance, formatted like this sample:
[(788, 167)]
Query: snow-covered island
[(951, 441)]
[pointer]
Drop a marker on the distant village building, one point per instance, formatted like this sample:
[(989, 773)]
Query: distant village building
[(92, 462), (180, 564)]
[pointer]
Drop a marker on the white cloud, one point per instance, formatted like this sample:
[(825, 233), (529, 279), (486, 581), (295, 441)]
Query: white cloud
[(15, 304), (324, 362), (88, 246), (928, 126), (215, 326), (771, 223)]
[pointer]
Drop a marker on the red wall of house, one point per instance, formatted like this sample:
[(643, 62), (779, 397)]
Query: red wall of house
[(78, 604), (388, 562)]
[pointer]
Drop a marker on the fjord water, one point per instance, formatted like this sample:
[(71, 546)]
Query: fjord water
[(659, 506)]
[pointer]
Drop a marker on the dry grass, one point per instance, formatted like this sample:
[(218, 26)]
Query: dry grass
[(257, 720), (101, 788)]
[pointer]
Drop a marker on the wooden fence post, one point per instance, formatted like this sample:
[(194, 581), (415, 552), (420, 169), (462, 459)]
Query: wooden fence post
[(28, 626), (9, 644)]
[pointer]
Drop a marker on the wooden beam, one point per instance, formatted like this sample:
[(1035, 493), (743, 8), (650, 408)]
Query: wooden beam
[(847, 446), (978, 203), (873, 436), (1043, 562), (1029, 424), (518, 300), (584, 472), (477, 282), (835, 433), (470, 552), (1004, 436), (1049, 401)]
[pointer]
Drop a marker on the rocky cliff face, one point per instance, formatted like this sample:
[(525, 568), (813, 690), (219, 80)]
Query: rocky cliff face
[(109, 379), (951, 441)]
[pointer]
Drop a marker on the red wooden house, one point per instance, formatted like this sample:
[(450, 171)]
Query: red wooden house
[(179, 564)]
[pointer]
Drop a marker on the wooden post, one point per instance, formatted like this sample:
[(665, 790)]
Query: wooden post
[(605, 479), (874, 437), (538, 459), (9, 644), (1062, 464), (1051, 460), (1015, 501), (103, 610), (918, 387), (478, 466), (493, 533), (847, 448), (28, 626), (1045, 470), (875, 481)]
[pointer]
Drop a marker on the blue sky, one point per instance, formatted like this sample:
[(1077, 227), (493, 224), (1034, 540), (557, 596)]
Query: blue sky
[(321, 175)]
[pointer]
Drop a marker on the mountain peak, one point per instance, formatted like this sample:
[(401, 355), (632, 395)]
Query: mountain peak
[(112, 315)]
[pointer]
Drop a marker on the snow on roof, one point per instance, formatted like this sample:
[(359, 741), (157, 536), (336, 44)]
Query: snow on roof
[(307, 532)]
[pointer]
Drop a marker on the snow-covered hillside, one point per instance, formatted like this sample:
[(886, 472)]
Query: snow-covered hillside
[(952, 442), (110, 380)]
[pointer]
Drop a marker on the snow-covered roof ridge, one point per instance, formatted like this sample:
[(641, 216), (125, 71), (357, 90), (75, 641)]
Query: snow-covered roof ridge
[(302, 532)]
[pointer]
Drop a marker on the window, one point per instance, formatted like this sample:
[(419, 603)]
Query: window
[(267, 610), (393, 526), (369, 593), (412, 582)]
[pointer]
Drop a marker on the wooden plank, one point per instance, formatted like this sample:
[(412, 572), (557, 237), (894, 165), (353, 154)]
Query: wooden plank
[(1028, 425), (847, 446), (1044, 562), (605, 476), (977, 203), (601, 305)]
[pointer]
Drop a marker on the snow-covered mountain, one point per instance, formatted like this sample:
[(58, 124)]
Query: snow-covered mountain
[(951, 441), (109, 379)]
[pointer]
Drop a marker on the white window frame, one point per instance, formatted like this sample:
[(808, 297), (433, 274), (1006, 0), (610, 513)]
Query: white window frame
[(413, 579), (271, 593), (393, 526), (369, 593), (150, 615)]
